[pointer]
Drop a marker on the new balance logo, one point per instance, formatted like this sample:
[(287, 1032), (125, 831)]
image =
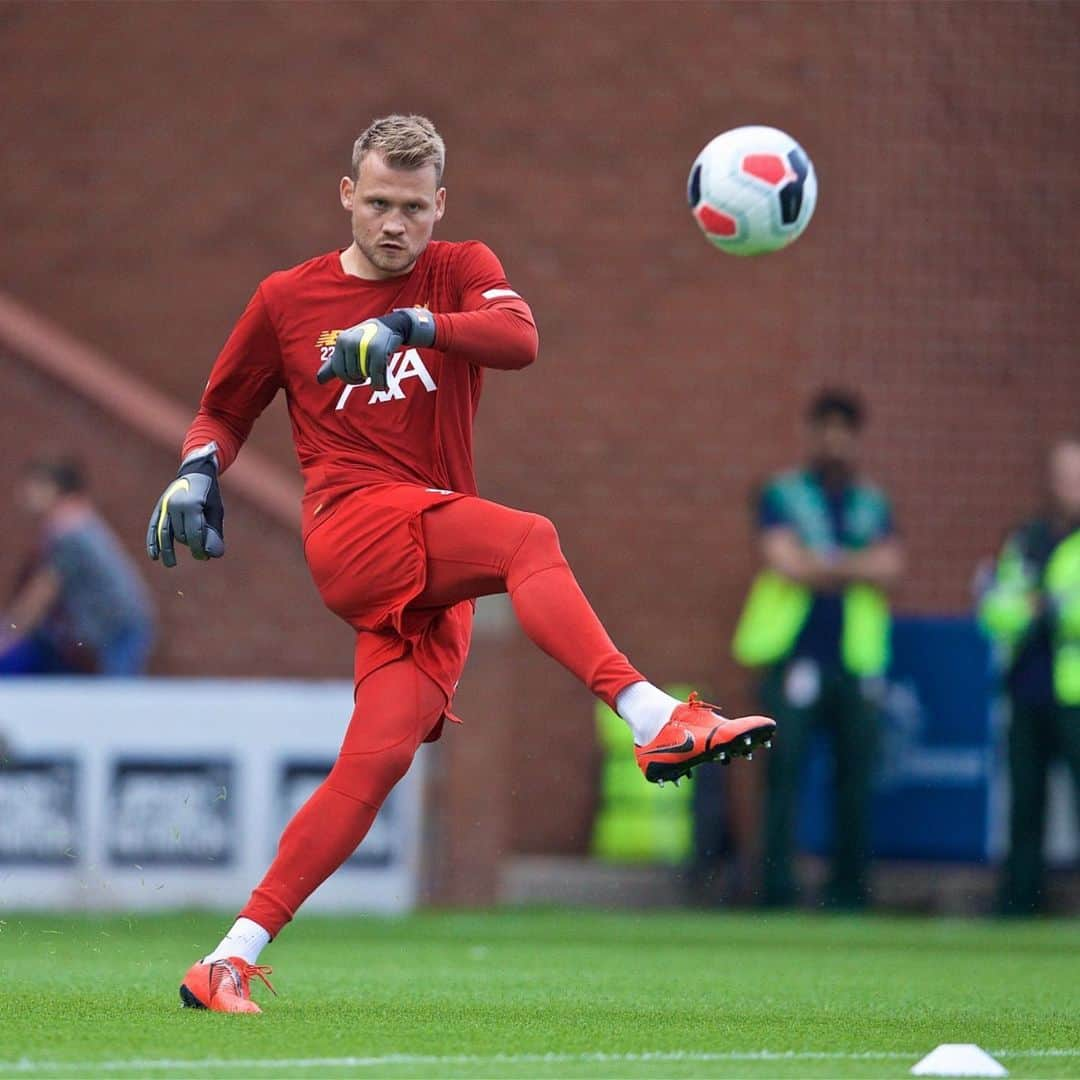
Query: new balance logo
[(402, 366)]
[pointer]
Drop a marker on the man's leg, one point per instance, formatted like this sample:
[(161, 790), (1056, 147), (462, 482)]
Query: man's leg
[(475, 548), (396, 707), (1068, 734), (1067, 720), (779, 887), (1029, 759), (854, 721)]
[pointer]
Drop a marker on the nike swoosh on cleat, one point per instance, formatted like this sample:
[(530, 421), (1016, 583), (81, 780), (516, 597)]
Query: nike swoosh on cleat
[(682, 748)]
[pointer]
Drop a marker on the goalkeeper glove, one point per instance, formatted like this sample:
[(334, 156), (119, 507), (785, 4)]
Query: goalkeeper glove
[(362, 352), (190, 510)]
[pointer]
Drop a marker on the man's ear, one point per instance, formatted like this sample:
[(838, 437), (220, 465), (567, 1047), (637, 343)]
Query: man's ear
[(348, 186), (440, 203)]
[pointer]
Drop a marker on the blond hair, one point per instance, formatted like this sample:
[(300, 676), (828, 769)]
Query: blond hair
[(406, 142)]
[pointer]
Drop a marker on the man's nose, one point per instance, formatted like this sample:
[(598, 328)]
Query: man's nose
[(394, 224)]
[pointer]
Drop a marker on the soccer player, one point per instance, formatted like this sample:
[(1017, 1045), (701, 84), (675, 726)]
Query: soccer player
[(381, 350)]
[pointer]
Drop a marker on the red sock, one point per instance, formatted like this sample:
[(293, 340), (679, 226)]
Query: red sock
[(396, 707), (476, 548)]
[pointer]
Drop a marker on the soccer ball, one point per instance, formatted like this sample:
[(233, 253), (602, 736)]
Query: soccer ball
[(752, 190)]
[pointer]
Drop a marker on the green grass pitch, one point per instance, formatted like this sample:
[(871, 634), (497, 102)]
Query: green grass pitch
[(544, 994)]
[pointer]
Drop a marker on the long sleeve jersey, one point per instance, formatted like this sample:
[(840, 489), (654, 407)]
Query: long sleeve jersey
[(419, 430)]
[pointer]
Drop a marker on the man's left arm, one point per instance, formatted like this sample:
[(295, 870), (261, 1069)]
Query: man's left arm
[(494, 327), (881, 562)]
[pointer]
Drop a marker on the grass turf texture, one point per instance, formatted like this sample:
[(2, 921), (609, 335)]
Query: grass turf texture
[(498, 991)]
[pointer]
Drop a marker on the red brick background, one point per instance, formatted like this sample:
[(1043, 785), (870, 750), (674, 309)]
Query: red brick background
[(157, 160)]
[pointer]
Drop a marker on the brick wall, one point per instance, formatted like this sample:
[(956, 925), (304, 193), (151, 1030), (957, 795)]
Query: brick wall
[(163, 158)]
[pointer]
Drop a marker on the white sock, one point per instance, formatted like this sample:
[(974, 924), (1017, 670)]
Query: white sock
[(646, 708), (246, 939)]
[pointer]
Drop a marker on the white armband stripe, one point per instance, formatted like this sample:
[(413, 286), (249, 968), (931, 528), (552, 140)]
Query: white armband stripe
[(493, 294)]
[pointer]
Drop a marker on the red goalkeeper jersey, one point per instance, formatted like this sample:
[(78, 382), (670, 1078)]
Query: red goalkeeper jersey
[(419, 430)]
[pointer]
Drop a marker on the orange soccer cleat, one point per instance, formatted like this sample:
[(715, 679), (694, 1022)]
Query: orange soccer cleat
[(697, 733), (223, 985)]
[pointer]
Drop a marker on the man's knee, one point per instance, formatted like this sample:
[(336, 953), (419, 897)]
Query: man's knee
[(540, 550), (370, 777), (543, 535)]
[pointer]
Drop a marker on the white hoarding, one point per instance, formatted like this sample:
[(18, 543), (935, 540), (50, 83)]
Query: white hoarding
[(167, 793)]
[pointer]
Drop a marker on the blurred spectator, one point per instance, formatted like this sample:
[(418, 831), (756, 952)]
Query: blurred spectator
[(817, 621), (1032, 609), (636, 822), (78, 605)]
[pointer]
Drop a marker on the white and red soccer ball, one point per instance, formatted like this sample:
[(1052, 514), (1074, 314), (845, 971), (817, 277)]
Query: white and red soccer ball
[(752, 190)]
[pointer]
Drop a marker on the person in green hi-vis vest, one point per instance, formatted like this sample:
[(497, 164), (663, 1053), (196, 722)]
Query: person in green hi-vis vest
[(817, 625), (1032, 610), (637, 822)]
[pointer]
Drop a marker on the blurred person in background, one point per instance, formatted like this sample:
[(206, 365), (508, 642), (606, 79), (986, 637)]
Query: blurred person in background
[(78, 606), (817, 621), (1032, 611), (636, 822)]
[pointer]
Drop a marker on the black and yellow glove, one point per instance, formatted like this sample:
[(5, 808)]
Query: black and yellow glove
[(363, 351), (190, 510)]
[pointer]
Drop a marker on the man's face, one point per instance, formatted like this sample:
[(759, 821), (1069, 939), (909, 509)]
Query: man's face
[(834, 441), (393, 213), (1064, 470)]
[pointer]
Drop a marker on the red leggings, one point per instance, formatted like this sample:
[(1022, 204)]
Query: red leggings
[(474, 548)]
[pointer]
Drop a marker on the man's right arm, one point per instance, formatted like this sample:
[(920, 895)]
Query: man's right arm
[(244, 380)]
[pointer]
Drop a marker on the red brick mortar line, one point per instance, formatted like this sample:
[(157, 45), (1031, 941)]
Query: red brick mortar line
[(135, 403)]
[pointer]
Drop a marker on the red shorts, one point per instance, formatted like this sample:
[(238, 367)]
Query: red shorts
[(366, 554)]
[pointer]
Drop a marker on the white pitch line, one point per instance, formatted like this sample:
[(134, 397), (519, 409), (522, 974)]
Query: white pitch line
[(26, 1065)]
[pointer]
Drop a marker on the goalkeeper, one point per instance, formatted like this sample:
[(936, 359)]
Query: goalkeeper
[(382, 350)]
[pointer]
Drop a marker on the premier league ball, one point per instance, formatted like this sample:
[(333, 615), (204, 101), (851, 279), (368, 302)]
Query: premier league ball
[(752, 190)]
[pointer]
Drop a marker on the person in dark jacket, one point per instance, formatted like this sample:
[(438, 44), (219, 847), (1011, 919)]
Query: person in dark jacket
[(816, 624), (1032, 611), (79, 606)]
